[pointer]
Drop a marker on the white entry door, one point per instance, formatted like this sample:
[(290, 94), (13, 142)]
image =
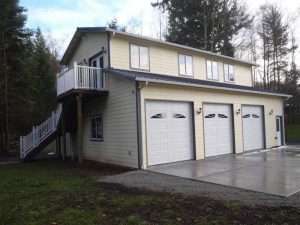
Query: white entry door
[(253, 128), (218, 129), (169, 132), (279, 130)]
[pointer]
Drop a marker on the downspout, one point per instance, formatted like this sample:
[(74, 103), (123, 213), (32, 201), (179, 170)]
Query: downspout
[(108, 49), (138, 123)]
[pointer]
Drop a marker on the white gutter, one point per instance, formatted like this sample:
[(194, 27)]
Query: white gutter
[(211, 87)]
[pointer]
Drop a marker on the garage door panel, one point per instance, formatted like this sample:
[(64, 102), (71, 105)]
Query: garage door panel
[(218, 129), (253, 135), (172, 129)]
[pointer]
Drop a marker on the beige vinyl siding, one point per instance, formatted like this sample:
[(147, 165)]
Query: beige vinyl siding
[(90, 45), (199, 96), (118, 111), (164, 60)]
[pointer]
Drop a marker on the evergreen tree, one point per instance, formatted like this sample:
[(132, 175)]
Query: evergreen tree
[(27, 76), (205, 24), (13, 37), (43, 68)]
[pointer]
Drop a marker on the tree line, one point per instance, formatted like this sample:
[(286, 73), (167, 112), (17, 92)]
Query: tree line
[(216, 25), (27, 76)]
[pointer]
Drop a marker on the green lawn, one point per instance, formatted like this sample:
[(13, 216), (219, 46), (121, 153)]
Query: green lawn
[(293, 132), (52, 193)]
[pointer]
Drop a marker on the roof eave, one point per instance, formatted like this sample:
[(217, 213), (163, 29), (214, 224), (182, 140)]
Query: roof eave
[(75, 40), (143, 79)]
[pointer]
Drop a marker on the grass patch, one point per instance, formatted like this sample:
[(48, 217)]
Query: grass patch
[(53, 193), (293, 132)]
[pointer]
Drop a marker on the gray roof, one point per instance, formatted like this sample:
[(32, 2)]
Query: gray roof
[(81, 30), (176, 80)]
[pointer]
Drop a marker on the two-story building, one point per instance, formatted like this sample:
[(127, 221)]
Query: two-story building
[(137, 101)]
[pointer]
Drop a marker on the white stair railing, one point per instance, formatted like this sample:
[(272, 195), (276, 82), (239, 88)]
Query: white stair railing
[(39, 133), (81, 77)]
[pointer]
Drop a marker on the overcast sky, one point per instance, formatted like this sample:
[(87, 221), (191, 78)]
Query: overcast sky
[(59, 18)]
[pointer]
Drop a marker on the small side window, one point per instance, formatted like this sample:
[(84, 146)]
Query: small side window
[(96, 128)]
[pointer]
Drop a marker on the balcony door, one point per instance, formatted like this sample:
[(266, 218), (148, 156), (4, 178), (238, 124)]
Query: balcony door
[(96, 78), (97, 61)]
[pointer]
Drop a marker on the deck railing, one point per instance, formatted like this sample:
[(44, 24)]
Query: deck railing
[(81, 77), (39, 133)]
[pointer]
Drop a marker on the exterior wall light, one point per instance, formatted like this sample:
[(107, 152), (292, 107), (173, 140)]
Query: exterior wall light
[(238, 111), (271, 112), (199, 111)]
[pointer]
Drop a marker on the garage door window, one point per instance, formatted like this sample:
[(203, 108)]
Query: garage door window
[(179, 116), (246, 116), (210, 116), (158, 116), (222, 116), (97, 128)]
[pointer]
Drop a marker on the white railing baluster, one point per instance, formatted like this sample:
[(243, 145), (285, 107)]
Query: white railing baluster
[(81, 77), (39, 133)]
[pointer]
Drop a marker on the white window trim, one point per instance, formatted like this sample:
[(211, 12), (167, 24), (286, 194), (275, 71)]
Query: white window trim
[(185, 74), (130, 56), (93, 138), (233, 68), (218, 71)]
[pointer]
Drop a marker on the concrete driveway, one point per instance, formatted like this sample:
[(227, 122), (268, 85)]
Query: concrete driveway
[(274, 172)]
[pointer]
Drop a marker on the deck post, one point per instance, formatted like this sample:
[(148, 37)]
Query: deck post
[(79, 127), (75, 75), (21, 147), (63, 128)]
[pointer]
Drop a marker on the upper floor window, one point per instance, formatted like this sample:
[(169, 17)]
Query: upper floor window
[(185, 65), (139, 57), (212, 70), (229, 73)]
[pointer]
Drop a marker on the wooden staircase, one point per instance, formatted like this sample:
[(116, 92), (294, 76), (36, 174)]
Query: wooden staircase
[(40, 136)]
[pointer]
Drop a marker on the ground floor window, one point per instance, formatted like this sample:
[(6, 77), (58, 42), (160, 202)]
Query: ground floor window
[(97, 128)]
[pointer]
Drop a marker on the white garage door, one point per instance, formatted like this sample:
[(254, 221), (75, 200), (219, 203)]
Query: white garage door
[(169, 132), (253, 134), (218, 133)]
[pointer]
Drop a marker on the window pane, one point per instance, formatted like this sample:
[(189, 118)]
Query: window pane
[(134, 53), (181, 64), (231, 73), (189, 65), (226, 74), (93, 129), (215, 71), (99, 131), (144, 58), (209, 69)]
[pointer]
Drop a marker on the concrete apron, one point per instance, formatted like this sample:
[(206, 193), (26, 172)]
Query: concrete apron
[(274, 171)]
